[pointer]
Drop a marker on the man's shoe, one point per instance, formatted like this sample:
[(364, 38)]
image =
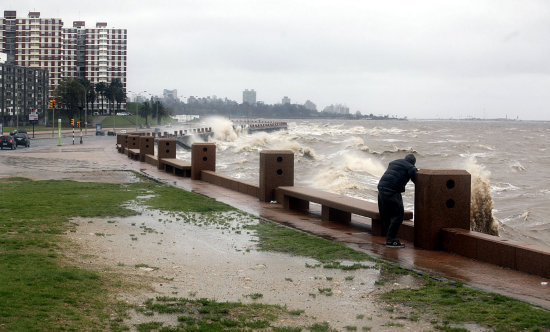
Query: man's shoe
[(394, 244)]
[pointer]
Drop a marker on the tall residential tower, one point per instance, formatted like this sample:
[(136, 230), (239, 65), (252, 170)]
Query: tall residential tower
[(98, 54)]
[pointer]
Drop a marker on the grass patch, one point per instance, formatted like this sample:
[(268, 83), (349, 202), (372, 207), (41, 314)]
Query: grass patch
[(281, 239), (169, 198), (453, 303), (254, 296), (210, 315)]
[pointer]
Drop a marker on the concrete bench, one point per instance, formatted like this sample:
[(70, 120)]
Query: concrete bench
[(334, 207), (151, 160), (176, 166), (242, 186), (134, 154)]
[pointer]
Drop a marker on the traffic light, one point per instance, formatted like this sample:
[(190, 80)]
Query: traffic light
[(53, 103), (72, 122), (78, 124)]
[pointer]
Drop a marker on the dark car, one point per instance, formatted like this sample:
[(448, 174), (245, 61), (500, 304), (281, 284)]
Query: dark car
[(7, 141), (22, 139), (18, 131)]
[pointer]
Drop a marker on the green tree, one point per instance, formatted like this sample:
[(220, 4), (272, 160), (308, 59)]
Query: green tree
[(88, 86), (159, 110), (91, 97), (101, 89), (116, 93), (145, 111), (69, 95)]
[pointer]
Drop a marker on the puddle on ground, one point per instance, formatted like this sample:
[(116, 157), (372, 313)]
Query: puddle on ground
[(214, 256)]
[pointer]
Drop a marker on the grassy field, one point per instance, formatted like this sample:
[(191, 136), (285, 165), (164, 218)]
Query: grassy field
[(38, 289), (41, 291)]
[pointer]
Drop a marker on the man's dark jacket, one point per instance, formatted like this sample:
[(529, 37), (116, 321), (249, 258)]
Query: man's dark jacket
[(397, 175)]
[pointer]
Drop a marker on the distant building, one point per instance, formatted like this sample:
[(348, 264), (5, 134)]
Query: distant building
[(336, 109), (22, 89), (310, 105), (285, 100), (249, 97), (170, 96), (97, 54), (140, 99)]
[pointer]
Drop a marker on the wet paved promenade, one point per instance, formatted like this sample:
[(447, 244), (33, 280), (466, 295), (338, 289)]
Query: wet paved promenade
[(100, 155)]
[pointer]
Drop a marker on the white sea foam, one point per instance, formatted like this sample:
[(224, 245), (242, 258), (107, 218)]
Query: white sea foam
[(516, 166), (486, 147), (503, 187)]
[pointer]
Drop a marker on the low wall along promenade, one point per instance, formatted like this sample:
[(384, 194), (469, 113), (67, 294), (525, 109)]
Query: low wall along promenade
[(441, 207)]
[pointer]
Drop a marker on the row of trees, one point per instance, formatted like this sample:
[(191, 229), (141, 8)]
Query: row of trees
[(154, 108), (77, 94), (74, 95), (232, 108)]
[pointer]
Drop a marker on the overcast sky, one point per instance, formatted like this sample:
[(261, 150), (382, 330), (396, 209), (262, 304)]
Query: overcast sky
[(421, 59)]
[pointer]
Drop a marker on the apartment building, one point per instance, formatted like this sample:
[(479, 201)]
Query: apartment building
[(98, 54), (22, 89)]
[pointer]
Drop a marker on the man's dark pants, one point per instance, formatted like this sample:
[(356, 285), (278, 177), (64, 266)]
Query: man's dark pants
[(390, 207)]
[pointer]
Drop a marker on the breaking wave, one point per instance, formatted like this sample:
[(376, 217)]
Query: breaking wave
[(222, 129), (394, 150), (481, 211), (340, 175)]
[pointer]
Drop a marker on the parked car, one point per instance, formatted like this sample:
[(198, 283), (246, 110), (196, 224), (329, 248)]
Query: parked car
[(6, 141), (17, 131), (22, 139)]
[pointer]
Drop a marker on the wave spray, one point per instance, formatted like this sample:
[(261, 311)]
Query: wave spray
[(481, 211)]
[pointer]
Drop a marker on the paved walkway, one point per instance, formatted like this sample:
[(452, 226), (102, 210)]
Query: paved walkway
[(102, 153)]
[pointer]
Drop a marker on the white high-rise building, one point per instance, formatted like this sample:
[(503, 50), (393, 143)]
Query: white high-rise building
[(249, 97)]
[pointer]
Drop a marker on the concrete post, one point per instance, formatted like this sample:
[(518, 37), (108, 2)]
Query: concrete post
[(120, 138), (146, 146), (276, 169), (203, 158), (133, 142), (442, 200), (166, 149)]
